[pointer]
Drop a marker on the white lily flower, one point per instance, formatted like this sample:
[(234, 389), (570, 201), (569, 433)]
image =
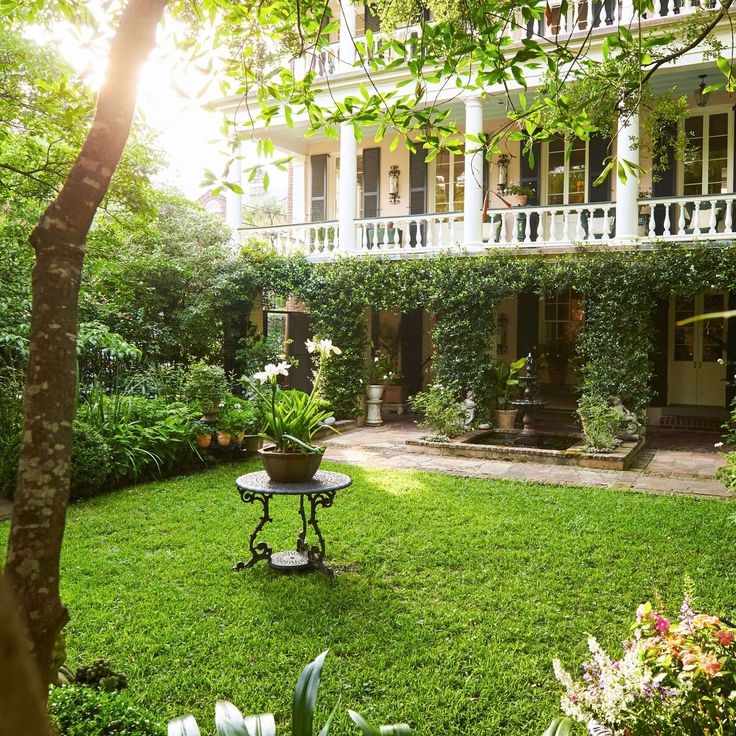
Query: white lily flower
[(261, 376), (311, 346), (283, 368), (327, 347)]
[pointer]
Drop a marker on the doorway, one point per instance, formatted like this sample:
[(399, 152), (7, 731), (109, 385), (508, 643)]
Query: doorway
[(697, 351)]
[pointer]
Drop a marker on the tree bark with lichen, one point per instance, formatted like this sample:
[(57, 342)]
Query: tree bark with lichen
[(59, 241)]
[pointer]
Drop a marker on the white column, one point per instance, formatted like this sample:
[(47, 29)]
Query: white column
[(234, 201), (298, 189), (348, 187), (472, 225), (627, 193), (347, 35)]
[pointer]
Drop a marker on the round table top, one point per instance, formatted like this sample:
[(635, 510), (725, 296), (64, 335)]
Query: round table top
[(324, 481)]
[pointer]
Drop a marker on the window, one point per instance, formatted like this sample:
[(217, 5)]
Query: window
[(563, 317), (449, 182), (566, 178), (705, 169)]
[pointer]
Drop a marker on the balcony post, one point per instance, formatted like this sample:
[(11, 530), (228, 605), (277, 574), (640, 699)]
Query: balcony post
[(627, 193), (347, 204), (347, 35), (234, 201), (472, 225)]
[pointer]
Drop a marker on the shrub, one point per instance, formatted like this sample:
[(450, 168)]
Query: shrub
[(600, 423), (90, 458), (84, 711), (206, 384), (443, 413), (11, 423)]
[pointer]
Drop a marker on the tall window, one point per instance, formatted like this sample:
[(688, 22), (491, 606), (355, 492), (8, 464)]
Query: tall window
[(563, 317), (449, 182), (566, 178), (705, 167)]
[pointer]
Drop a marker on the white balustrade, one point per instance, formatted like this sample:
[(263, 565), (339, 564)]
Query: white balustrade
[(409, 233), (708, 217), (312, 238)]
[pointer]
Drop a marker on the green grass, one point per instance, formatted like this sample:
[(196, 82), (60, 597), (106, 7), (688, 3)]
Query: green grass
[(452, 597)]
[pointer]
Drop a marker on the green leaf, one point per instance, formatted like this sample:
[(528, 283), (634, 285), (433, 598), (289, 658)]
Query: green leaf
[(305, 697)]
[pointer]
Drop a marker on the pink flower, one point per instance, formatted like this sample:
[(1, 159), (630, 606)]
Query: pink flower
[(725, 637), (688, 659), (661, 624), (710, 664)]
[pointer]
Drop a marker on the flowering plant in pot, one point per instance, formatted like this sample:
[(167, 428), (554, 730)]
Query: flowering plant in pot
[(292, 418), (521, 193), (238, 416), (202, 433), (674, 678), (506, 383)]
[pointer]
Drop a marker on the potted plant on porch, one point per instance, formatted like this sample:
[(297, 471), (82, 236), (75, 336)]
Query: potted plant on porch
[(506, 382), (292, 418), (520, 193)]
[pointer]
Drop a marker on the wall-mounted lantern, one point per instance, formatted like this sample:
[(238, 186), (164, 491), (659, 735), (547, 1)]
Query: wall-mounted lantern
[(701, 96), (503, 172), (393, 184)]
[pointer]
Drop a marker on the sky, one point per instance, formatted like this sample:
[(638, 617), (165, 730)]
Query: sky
[(171, 98)]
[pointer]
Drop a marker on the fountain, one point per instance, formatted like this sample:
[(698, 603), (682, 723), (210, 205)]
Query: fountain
[(530, 401)]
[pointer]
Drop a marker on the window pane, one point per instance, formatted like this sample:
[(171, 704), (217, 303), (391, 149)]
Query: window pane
[(693, 164), (718, 124), (442, 182), (684, 336), (458, 189), (556, 172), (714, 333)]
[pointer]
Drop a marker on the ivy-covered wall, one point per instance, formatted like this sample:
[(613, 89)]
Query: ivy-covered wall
[(620, 291)]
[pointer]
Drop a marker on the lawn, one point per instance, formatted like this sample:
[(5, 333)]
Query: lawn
[(451, 599)]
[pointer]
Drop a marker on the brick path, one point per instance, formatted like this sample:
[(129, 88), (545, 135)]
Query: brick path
[(680, 470)]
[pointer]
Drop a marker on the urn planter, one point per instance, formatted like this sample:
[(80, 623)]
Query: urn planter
[(374, 392), (290, 467), (505, 418)]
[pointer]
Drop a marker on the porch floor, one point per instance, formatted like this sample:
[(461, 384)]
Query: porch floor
[(682, 463)]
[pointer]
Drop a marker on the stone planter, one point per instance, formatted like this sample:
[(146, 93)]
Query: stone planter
[(374, 392), (210, 412), (290, 467), (505, 418), (395, 393)]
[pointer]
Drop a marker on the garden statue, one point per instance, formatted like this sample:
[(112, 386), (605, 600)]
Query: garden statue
[(629, 427), (470, 405)]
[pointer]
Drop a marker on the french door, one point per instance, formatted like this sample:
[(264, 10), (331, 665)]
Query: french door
[(697, 351)]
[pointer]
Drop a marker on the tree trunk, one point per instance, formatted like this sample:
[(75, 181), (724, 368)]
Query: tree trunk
[(37, 529), (22, 694)]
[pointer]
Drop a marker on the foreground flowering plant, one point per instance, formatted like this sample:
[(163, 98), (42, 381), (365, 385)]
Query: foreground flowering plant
[(293, 417), (673, 679)]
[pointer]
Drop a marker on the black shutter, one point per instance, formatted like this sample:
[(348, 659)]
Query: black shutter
[(527, 323), (371, 182), (730, 350), (411, 349), (598, 151), (318, 165), (417, 192), (372, 21), (664, 187), (529, 177), (660, 353)]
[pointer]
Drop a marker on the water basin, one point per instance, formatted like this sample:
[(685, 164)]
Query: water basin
[(535, 441)]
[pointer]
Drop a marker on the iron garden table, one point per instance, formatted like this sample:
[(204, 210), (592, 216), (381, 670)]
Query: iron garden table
[(319, 492)]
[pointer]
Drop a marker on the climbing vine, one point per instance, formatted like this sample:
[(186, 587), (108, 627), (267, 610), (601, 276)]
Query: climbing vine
[(620, 291)]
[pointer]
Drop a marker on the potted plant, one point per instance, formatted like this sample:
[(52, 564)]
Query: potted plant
[(207, 385), (375, 388), (521, 194), (224, 438), (292, 418), (556, 356), (202, 433), (385, 372), (506, 382), (239, 416)]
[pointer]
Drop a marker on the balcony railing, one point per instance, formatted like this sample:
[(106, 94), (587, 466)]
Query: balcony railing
[(685, 218), (310, 238)]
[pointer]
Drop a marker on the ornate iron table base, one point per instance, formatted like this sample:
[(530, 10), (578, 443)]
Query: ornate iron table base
[(320, 492)]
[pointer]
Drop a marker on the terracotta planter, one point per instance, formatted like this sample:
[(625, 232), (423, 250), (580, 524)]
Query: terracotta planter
[(505, 418), (237, 437), (521, 200), (290, 467), (374, 392), (223, 438), (395, 393), (203, 440), (557, 376), (252, 442)]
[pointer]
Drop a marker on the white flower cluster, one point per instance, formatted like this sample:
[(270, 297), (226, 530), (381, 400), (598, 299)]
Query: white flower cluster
[(271, 371), (322, 346)]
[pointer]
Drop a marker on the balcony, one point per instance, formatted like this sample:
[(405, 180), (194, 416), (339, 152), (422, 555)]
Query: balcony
[(674, 219)]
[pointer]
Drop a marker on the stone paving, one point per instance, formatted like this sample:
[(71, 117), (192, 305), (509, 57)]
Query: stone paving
[(672, 463)]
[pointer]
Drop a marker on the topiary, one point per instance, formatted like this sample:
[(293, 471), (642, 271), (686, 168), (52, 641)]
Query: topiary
[(84, 711), (91, 455)]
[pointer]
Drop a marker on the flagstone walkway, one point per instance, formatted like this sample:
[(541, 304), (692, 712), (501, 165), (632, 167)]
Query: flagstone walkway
[(682, 463)]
